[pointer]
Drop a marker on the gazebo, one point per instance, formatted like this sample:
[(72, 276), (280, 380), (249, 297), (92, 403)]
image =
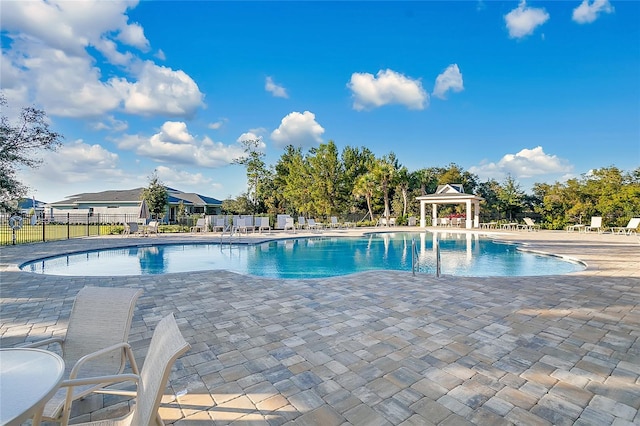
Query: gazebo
[(451, 194)]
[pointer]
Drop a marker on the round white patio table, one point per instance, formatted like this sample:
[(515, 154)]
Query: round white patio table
[(28, 378)]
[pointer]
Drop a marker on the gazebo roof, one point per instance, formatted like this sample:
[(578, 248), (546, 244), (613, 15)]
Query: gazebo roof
[(451, 193)]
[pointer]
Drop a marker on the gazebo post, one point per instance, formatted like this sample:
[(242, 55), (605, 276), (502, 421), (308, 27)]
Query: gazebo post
[(476, 214), (434, 215)]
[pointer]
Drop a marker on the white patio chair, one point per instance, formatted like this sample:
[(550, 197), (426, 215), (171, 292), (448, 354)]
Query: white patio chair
[(241, 226), (334, 222), (131, 228), (288, 224), (200, 226), (596, 225), (529, 225), (167, 344), (263, 224), (302, 223), (99, 325), (312, 225), (631, 227), (219, 224), (152, 227)]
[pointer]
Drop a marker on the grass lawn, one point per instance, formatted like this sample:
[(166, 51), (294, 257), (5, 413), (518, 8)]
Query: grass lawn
[(51, 232)]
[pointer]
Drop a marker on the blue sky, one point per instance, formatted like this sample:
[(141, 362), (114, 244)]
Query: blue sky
[(542, 91)]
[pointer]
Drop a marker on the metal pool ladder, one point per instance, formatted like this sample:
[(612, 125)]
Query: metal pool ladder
[(415, 255)]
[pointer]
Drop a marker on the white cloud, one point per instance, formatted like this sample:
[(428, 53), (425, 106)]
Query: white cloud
[(73, 163), (522, 21), (52, 75), (588, 11), (53, 54), (275, 89), (160, 55), (525, 164), (173, 143), (161, 90), (181, 179), (387, 87), (218, 124), (298, 129), (133, 35), (112, 124), (450, 79)]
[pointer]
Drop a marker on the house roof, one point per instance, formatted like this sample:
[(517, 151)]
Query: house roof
[(27, 203), (134, 196)]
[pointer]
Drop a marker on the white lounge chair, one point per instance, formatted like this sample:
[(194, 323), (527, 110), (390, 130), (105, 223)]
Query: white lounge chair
[(596, 225), (93, 345), (631, 227), (131, 228), (529, 225), (152, 227), (301, 222), (334, 222), (263, 224), (241, 226), (200, 226), (167, 344), (384, 222), (313, 225), (288, 224), (219, 224)]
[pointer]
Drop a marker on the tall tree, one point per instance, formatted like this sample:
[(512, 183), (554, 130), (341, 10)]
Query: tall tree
[(427, 180), (326, 172), (367, 186), (385, 173), (156, 195), (297, 185), (510, 196), (356, 162), (490, 207), (283, 169), (256, 170), (456, 174), (19, 144), (403, 181)]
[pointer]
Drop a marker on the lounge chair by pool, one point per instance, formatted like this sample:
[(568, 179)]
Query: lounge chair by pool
[(631, 227)]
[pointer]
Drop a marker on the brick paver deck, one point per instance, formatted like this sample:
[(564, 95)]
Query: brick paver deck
[(376, 348)]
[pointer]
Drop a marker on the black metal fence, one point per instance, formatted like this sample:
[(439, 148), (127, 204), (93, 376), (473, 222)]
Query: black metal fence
[(20, 229)]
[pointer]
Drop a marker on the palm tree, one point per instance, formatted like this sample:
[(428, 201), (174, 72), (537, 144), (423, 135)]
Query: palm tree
[(366, 186), (385, 173)]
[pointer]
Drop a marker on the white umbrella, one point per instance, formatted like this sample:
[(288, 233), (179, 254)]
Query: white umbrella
[(144, 211)]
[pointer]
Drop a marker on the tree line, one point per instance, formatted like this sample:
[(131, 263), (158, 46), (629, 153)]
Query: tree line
[(324, 182)]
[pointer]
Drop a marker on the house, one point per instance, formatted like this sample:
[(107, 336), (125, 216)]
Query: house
[(29, 206), (124, 205)]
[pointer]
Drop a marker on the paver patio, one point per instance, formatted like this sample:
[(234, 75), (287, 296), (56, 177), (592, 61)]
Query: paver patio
[(375, 348)]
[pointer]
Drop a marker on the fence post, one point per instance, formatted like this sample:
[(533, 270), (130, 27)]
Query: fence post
[(68, 226), (43, 230)]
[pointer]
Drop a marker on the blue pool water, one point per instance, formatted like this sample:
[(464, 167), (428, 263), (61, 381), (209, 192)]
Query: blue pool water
[(461, 254)]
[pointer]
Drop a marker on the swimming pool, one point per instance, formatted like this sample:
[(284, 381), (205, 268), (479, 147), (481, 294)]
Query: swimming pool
[(317, 257)]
